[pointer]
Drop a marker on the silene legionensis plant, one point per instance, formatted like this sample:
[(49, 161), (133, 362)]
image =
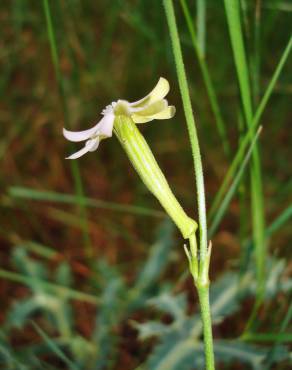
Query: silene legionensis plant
[(123, 118)]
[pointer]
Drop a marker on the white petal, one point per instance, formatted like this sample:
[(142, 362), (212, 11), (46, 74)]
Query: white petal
[(106, 125), (77, 136), (93, 144), (90, 145), (159, 92)]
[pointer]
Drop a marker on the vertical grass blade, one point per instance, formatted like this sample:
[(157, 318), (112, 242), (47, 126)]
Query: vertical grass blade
[(201, 25), (256, 60), (234, 23), (254, 126), (257, 204), (207, 79), (74, 164), (231, 191)]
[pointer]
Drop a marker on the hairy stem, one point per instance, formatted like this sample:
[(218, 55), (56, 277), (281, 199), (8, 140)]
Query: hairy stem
[(203, 293), (198, 268)]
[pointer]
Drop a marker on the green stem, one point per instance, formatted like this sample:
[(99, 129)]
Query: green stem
[(190, 120), (203, 293), (199, 269)]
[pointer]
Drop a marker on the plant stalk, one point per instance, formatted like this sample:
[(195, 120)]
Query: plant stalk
[(199, 268), (203, 293)]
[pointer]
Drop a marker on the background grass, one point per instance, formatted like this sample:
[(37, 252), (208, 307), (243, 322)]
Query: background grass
[(88, 312)]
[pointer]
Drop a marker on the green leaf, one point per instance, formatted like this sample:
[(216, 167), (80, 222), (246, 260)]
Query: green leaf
[(20, 312), (112, 308), (55, 348), (224, 296), (173, 305), (150, 329), (176, 352), (28, 266), (158, 257), (226, 351)]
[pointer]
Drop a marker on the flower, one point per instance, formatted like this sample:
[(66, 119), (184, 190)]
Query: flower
[(122, 118), (152, 106)]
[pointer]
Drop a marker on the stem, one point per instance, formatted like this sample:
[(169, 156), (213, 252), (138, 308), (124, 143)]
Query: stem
[(199, 269), (203, 293)]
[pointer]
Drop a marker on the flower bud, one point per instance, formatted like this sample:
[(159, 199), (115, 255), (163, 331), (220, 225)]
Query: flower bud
[(146, 166)]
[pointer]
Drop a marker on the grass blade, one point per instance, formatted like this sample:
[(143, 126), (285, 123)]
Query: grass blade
[(272, 84), (54, 347), (256, 60), (230, 193), (258, 220), (50, 196), (268, 337), (254, 126), (207, 79), (201, 25), (74, 164), (257, 204), (233, 18), (54, 288), (279, 221)]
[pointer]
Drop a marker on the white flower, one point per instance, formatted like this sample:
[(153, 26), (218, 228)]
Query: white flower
[(152, 106)]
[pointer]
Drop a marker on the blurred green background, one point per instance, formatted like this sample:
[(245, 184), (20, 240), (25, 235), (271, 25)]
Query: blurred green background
[(90, 227)]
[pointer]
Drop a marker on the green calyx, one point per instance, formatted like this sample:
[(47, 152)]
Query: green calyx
[(146, 166)]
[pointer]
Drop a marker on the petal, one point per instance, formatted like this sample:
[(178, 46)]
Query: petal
[(90, 145), (141, 119), (159, 92), (106, 125), (93, 144), (167, 113), (77, 136), (153, 108)]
